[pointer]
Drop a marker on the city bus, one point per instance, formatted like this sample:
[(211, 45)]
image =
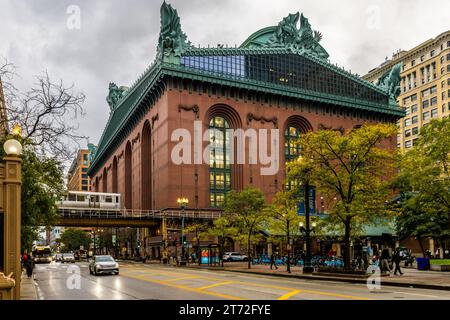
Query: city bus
[(42, 254)]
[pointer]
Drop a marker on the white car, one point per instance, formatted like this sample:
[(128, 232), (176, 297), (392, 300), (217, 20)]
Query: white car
[(68, 257), (103, 264), (234, 256)]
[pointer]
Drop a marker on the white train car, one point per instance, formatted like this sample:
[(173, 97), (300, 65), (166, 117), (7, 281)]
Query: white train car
[(83, 199)]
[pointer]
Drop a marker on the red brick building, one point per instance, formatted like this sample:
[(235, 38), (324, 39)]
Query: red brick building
[(279, 78)]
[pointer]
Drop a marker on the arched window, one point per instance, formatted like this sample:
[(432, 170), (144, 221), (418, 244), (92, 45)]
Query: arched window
[(128, 177), (105, 181), (219, 162), (291, 148), (114, 175), (146, 167)]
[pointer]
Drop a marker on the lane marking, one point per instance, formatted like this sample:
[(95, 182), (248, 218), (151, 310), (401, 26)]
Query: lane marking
[(215, 285), (216, 294), (419, 294), (182, 278), (324, 293), (289, 294)]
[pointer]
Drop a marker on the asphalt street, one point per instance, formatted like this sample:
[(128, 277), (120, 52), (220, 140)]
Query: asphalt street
[(58, 281)]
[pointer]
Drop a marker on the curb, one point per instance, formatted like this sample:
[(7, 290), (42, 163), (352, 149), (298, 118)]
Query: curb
[(347, 280)]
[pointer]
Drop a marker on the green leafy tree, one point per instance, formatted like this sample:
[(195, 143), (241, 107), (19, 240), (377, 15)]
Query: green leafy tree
[(425, 178), (222, 229), (199, 230), (425, 169), (42, 187), (246, 210), (285, 219), (416, 220), (74, 238), (351, 168)]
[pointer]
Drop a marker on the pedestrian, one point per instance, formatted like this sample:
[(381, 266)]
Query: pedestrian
[(29, 266), (384, 260), (273, 261), (396, 259)]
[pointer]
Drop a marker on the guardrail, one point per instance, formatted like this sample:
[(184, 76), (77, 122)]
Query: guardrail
[(95, 213)]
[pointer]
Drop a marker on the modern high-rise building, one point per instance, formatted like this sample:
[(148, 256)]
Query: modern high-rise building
[(77, 178), (424, 86)]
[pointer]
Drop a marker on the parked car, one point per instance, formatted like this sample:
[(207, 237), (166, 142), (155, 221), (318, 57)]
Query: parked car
[(234, 256), (103, 264), (68, 257)]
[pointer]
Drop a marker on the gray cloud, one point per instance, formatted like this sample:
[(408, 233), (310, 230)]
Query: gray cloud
[(117, 39)]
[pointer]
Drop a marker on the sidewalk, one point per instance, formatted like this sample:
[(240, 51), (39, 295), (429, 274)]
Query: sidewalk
[(411, 277), (27, 288)]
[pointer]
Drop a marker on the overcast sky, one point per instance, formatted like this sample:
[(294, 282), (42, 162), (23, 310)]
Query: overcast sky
[(117, 39)]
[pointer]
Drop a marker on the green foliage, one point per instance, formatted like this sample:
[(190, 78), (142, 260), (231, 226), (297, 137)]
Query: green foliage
[(350, 170), (283, 213), (42, 186), (245, 209), (222, 229), (74, 238), (425, 169), (424, 181), (440, 262)]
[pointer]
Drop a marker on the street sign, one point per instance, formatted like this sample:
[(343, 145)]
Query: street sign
[(312, 202)]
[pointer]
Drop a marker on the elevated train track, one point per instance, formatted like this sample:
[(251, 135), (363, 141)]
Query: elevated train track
[(100, 217)]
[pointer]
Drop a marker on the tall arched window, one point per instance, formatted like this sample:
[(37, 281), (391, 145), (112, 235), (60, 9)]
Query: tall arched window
[(291, 148), (219, 163), (128, 178), (105, 180), (114, 175), (146, 167)]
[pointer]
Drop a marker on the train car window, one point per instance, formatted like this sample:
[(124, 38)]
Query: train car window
[(80, 198), (97, 199), (72, 197), (108, 199), (117, 199)]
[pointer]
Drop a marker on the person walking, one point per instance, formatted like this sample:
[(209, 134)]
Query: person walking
[(384, 260), (29, 265), (396, 259), (273, 261)]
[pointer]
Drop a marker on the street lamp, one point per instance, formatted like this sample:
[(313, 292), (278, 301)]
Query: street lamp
[(307, 267), (182, 202)]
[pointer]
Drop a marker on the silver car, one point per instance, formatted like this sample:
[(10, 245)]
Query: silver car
[(68, 257), (103, 264)]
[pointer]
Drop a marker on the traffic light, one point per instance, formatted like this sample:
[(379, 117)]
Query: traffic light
[(183, 240), (139, 244)]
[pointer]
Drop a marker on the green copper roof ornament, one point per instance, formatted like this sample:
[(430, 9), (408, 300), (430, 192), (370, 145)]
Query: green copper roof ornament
[(172, 40), (115, 95), (92, 151), (302, 40), (390, 81)]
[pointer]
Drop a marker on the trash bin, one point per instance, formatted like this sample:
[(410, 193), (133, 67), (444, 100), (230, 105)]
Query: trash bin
[(423, 263)]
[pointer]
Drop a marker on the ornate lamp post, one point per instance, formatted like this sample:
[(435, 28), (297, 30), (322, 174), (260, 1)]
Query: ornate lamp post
[(11, 180), (182, 202), (307, 267)]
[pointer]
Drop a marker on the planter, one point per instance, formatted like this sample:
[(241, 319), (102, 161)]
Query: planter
[(438, 267)]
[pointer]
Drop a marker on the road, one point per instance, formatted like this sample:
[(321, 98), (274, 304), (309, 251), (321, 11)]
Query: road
[(57, 281)]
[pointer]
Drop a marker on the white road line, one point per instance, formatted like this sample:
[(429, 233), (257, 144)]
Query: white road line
[(418, 294)]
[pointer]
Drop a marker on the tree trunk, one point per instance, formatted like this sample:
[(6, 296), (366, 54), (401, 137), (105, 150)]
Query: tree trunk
[(419, 238), (248, 250), (289, 247), (347, 242)]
